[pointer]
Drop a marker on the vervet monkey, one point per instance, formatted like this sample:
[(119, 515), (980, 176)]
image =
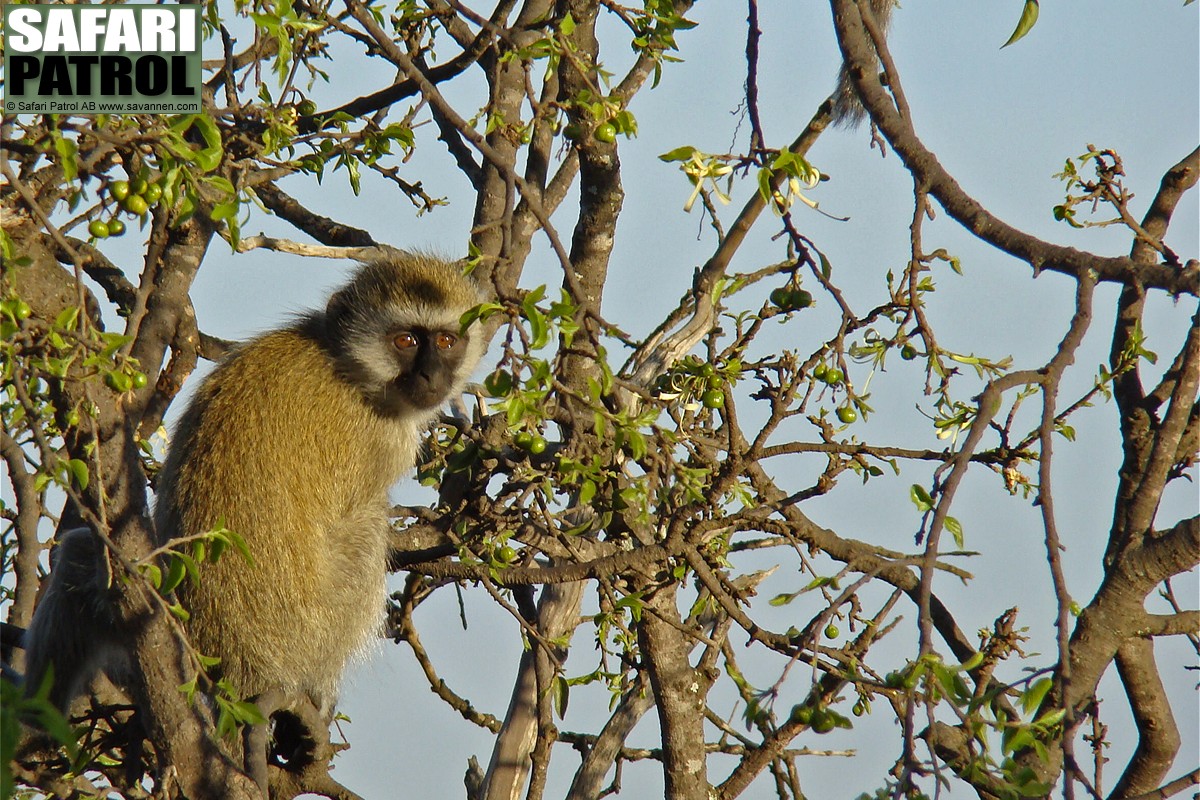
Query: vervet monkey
[(292, 442)]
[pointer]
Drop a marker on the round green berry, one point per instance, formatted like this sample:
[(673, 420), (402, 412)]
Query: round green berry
[(136, 204)]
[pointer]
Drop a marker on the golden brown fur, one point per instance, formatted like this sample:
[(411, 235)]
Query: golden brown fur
[(292, 442)]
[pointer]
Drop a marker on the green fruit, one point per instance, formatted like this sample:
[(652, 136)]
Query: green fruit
[(823, 721), (833, 376), (136, 204), (802, 714), (893, 680), (499, 383), (139, 380), (831, 631), (153, 193), (119, 190), (307, 108), (847, 414), (506, 554), (118, 381), (606, 133), (21, 309), (115, 227), (908, 352), (537, 445), (573, 132), (138, 185), (820, 371), (791, 299), (523, 440), (98, 228), (713, 398)]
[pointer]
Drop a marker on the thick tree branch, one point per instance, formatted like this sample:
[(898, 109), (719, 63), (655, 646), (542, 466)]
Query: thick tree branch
[(680, 696), (1158, 736)]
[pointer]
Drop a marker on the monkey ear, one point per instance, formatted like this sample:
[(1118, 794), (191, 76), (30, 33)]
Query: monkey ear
[(337, 313)]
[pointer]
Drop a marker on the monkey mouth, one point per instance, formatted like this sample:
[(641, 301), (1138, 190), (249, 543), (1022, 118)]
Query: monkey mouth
[(408, 392)]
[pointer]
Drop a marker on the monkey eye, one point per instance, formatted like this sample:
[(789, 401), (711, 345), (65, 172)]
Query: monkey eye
[(405, 340), (444, 341)]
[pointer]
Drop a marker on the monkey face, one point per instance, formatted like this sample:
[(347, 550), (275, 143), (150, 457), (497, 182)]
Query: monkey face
[(428, 364), (405, 369), (395, 335)]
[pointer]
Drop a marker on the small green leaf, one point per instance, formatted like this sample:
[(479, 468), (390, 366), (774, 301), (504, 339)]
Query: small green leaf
[(1051, 718), (79, 472), (1032, 697), (920, 497), (67, 151), (175, 573), (826, 267), (678, 154), (783, 599), (955, 528), (1029, 16), (153, 574), (561, 695)]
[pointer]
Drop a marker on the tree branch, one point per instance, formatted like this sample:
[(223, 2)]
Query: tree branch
[(859, 56)]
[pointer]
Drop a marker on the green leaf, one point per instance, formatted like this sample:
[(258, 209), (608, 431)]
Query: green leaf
[(224, 211), (783, 599), (826, 267), (920, 497), (1051, 718), (955, 528), (79, 472), (1032, 697), (67, 319), (247, 713), (561, 695), (153, 574), (67, 151), (1029, 16), (175, 574), (678, 154)]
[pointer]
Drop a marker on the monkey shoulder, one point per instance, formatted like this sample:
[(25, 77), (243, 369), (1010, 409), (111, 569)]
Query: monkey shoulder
[(276, 411)]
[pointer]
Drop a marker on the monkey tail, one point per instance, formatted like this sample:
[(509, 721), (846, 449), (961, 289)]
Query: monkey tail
[(848, 111)]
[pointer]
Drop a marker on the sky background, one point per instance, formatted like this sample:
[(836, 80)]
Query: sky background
[(1115, 74)]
